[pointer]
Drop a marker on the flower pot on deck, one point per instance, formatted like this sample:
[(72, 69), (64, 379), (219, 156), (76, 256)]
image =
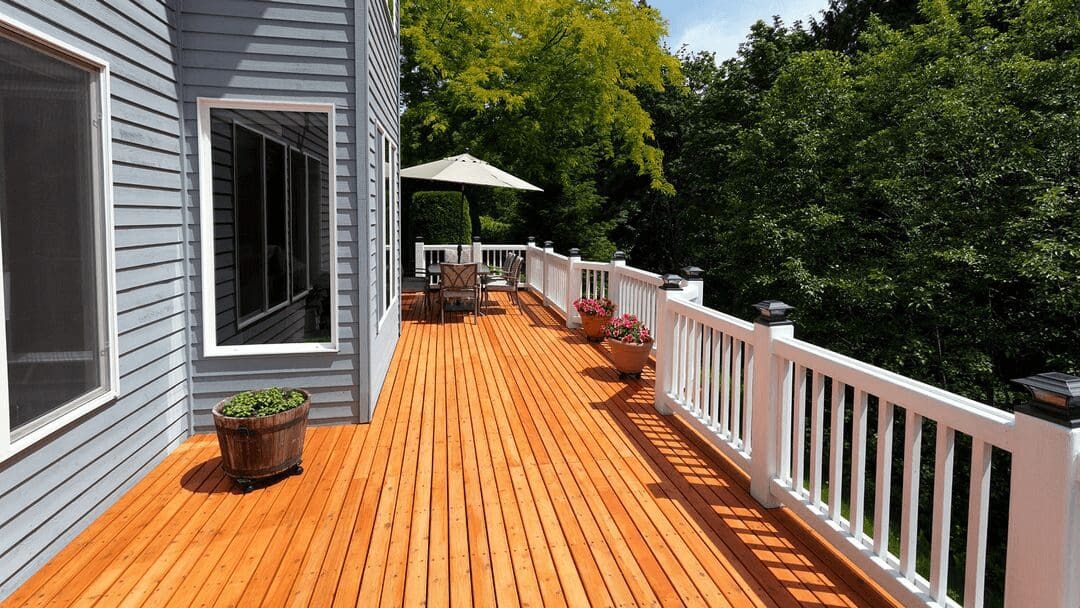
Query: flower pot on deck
[(629, 358), (258, 448), (593, 326)]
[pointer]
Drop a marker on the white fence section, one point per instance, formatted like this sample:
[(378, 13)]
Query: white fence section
[(815, 380), (556, 276), (594, 279), (815, 430), (712, 374), (495, 255), (637, 293)]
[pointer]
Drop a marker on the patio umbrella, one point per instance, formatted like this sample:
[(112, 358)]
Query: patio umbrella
[(466, 169)]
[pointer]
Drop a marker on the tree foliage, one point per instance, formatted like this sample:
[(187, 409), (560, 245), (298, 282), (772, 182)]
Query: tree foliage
[(543, 88)]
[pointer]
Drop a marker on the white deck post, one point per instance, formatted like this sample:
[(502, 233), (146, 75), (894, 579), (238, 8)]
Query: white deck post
[(1044, 503), (573, 288), (618, 262), (695, 277), (664, 335), (420, 264), (549, 248), (477, 250), (532, 251), (772, 383)]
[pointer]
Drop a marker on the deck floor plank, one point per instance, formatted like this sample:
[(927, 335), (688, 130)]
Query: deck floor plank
[(506, 464)]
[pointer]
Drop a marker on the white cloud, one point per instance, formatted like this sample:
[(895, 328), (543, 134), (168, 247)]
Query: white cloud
[(722, 25)]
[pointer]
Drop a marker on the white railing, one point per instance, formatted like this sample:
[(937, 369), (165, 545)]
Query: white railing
[(798, 419), (637, 291), (815, 380), (595, 281), (492, 255), (495, 255), (712, 374), (556, 281)]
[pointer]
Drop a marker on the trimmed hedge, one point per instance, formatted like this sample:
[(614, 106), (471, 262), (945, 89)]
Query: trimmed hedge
[(440, 219)]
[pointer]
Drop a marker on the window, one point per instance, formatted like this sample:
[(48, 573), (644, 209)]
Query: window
[(265, 167), (387, 218), (58, 345)]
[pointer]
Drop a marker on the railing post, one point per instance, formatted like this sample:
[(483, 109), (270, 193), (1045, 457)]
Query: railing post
[(1044, 501), (420, 264), (771, 384), (695, 277), (618, 262), (549, 248), (530, 245), (477, 250), (573, 288), (664, 335)]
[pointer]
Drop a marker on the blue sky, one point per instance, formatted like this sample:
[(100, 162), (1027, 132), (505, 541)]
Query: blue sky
[(720, 25)]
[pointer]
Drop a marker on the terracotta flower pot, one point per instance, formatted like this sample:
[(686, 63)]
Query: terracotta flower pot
[(629, 359), (593, 326), (257, 448)]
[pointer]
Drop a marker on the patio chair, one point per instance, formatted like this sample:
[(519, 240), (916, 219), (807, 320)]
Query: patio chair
[(508, 282), (459, 282), (432, 298)]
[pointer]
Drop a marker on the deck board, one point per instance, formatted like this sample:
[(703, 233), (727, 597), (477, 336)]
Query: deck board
[(506, 465)]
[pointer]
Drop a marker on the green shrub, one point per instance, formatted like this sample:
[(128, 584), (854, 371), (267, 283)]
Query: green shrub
[(441, 217), (493, 230), (255, 404)]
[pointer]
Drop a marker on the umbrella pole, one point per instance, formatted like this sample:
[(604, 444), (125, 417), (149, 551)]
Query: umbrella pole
[(461, 245)]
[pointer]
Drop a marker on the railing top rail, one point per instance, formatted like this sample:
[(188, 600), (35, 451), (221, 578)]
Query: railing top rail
[(593, 265), (642, 275), (486, 247), (732, 326), (561, 258), (965, 415)]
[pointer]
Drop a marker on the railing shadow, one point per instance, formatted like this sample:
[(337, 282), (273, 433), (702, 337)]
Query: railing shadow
[(761, 545)]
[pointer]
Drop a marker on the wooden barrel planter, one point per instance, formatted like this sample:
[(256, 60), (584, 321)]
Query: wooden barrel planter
[(258, 448)]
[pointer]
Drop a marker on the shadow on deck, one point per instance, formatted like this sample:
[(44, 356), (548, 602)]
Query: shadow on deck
[(507, 464)]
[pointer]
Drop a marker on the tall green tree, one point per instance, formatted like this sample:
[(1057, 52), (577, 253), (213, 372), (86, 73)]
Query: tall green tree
[(544, 88)]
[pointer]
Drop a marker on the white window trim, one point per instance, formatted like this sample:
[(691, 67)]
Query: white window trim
[(206, 224), (103, 180), (383, 165)]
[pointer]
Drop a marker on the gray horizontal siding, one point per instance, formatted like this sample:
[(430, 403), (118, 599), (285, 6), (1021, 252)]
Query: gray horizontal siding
[(52, 491), (279, 51)]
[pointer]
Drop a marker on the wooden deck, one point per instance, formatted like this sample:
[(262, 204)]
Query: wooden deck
[(506, 465)]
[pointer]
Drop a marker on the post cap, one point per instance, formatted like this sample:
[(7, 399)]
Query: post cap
[(672, 282), (618, 255), (773, 312), (693, 273), (575, 252), (476, 239), (549, 245), (1054, 397), (532, 239), (419, 239)]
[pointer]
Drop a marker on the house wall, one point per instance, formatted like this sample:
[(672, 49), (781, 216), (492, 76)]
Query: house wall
[(248, 49), (51, 491), (382, 101)]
